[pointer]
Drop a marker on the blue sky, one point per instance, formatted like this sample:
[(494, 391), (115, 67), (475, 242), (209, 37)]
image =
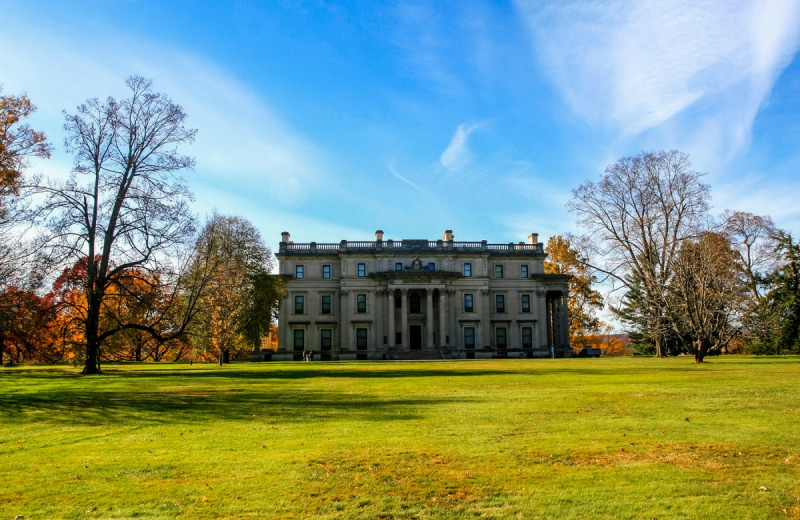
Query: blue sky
[(333, 119)]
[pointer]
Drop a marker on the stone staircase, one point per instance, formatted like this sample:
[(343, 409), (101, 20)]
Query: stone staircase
[(405, 354)]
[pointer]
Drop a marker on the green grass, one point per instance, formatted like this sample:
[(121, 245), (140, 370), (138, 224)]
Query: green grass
[(567, 439)]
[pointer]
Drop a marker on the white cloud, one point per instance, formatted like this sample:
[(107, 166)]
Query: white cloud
[(637, 65), (456, 156), (240, 139)]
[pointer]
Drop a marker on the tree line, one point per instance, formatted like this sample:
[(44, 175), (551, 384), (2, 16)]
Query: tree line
[(110, 263), (689, 282)]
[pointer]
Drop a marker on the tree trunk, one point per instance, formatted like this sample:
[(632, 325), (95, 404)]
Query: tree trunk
[(655, 332), (224, 356), (659, 346), (92, 365), (700, 352)]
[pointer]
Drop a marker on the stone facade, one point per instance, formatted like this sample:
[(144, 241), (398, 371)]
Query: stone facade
[(418, 299)]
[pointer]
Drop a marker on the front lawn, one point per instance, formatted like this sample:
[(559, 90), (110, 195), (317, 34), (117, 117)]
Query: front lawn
[(569, 439)]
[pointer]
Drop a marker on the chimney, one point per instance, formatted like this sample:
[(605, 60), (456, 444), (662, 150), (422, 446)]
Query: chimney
[(533, 239), (379, 235), (285, 237), (448, 235)]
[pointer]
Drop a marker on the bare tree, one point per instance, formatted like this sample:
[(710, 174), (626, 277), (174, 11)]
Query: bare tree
[(125, 206), (753, 240), (706, 295), (636, 216)]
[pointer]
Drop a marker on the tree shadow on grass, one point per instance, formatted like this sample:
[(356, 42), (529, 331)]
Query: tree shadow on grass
[(303, 371), (198, 405), (257, 372), (314, 373)]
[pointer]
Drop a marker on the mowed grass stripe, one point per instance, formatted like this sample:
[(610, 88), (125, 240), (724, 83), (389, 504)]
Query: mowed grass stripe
[(571, 438)]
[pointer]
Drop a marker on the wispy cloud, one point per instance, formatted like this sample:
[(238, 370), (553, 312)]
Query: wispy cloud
[(241, 139), (634, 66), (457, 155), (394, 172)]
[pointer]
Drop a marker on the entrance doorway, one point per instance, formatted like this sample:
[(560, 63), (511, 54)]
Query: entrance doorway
[(415, 339)]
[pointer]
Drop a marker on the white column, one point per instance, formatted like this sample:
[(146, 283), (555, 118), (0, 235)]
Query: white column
[(478, 306), (380, 325), (540, 337), (344, 321), (442, 317), (486, 318), (404, 318), (429, 317), (563, 320), (390, 295)]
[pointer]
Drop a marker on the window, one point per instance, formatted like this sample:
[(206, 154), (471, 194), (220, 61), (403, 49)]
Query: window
[(298, 305), (361, 303), (298, 271), (526, 303), (498, 271), (414, 303), (500, 336), (299, 339), (398, 302), (527, 337), (398, 266), (523, 271), (467, 270), (325, 339), (467, 303), (500, 303), (469, 337), (326, 271), (325, 304), (431, 266), (362, 270), (361, 339)]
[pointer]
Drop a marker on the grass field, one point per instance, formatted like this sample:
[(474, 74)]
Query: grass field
[(567, 439)]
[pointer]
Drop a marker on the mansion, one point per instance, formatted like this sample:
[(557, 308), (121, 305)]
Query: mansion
[(419, 299)]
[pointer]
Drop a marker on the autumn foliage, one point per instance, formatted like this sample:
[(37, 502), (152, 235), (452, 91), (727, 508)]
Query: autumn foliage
[(51, 328), (564, 258), (18, 141)]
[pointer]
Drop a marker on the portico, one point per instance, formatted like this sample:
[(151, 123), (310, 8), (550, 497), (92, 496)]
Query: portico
[(416, 309)]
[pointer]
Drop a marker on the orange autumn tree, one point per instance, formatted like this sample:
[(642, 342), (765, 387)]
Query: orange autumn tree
[(29, 327), (609, 343), (564, 258), (138, 296), (138, 320), (71, 301), (18, 142)]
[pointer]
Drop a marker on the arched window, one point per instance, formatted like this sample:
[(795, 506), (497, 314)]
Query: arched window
[(414, 303)]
